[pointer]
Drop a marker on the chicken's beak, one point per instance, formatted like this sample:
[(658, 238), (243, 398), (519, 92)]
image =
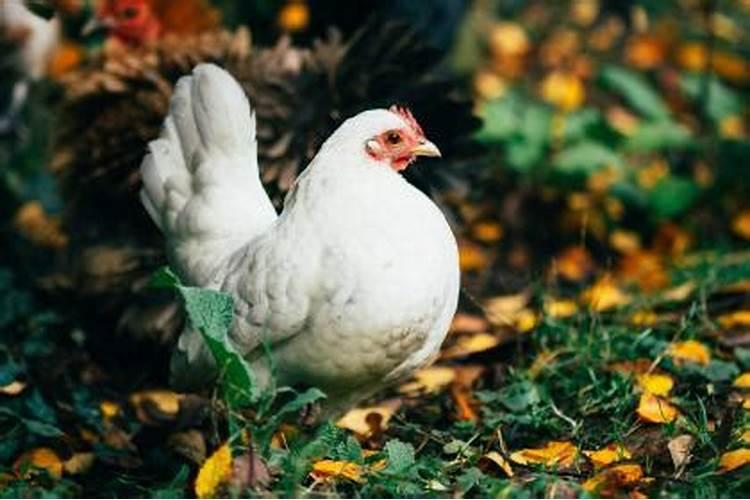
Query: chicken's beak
[(425, 148)]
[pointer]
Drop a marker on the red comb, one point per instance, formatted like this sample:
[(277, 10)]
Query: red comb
[(408, 117)]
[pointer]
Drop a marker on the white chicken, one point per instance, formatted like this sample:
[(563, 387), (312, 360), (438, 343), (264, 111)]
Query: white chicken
[(352, 286)]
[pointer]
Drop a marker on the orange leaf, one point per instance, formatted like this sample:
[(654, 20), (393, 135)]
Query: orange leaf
[(608, 481), (608, 455), (471, 258), (367, 421), (554, 453), (574, 264), (656, 410), (605, 295), (735, 319), (734, 459), (497, 459), (470, 344), (690, 351), (741, 225), (331, 469), (563, 90), (42, 458)]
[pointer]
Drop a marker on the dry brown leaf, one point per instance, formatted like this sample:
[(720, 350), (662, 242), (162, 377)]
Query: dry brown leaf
[(656, 384), (13, 389), (679, 449), (470, 344), (656, 410), (41, 458), (742, 381), (79, 463), (608, 455), (429, 380), (334, 469), (607, 482), (734, 459), (494, 460), (214, 472), (370, 420), (690, 351), (189, 444), (637, 366), (554, 453)]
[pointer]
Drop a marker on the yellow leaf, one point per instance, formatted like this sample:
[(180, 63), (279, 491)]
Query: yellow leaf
[(680, 292), (608, 455), (487, 231), (734, 459), (561, 308), (644, 318), (489, 85), (325, 469), (743, 381), (155, 404), (109, 409), (745, 436), (605, 295), (554, 453), (366, 421), (497, 459), (215, 471), (543, 360), (13, 389), (574, 263), (615, 477), (294, 16), (44, 459), (471, 258), (625, 242), (656, 384), (504, 309), (563, 90), (470, 344), (468, 323), (741, 225), (526, 320), (654, 409), (79, 463), (649, 176), (690, 351), (735, 319), (732, 127), (36, 225), (429, 380), (508, 39)]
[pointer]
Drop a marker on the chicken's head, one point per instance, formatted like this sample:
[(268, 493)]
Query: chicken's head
[(132, 22), (397, 139)]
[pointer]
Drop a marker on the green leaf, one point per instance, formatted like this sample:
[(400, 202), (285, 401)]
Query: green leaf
[(743, 357), (721, 100), (672, 195), (636, 91), (400, 456), (211, 313), (721, 371), (586, 157), (164, 277), (519, 396), (658, 136)]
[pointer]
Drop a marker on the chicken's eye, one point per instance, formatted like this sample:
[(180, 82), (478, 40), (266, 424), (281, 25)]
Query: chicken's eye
[(393, 138)]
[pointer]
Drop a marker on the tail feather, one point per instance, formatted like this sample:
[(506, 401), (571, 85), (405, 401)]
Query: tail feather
[(200, 177)]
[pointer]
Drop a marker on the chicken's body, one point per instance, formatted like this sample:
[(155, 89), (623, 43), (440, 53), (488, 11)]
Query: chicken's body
[(352, 286)]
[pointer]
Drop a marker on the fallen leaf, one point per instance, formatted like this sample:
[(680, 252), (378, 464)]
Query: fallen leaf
[(543, 360), (608, 455), (79, 463), (470, 344), (645, 268), (679, 449), (109, 409), (189, 444), (625, 242), (656, 384), (644, 318), (294, 16), (654, 409), (429, 380), (743, 381), (735, 319), (606, 482), (41, 458), (155, 406), (679, 293), (554, 453), (487, 231), (560, 308), (214, 472), (574, 264), (471, 257), (745, 437), (690, 351), (36, 225), (13, 389), (497, 460), (468, 323), (645, 51), (369, 420), (333, 469), (637, 366), (605, 295), (734, 459), (563, 90), (504, 309), (741, 225), (508, 39)]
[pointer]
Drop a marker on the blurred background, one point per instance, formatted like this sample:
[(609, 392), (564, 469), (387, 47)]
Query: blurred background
[(590, 148)]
